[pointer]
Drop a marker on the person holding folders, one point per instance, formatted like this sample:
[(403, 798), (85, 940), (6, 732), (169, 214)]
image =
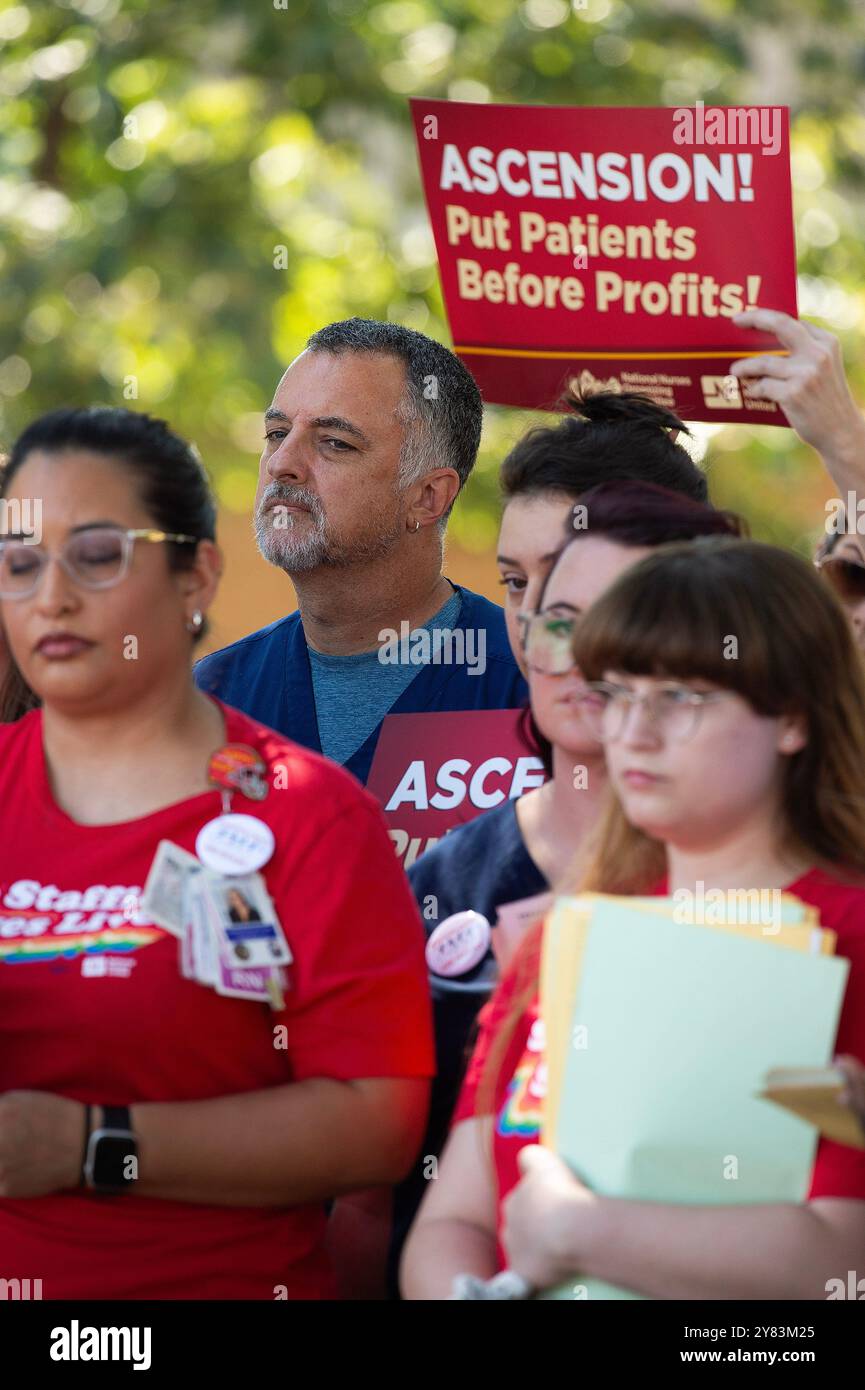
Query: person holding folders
[(746, 773), (171, 1126), (519, 850)]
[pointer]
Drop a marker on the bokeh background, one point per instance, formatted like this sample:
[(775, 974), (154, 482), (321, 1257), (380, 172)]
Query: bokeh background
[(188, 190)]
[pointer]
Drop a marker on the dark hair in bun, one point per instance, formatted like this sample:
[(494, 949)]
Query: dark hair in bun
[(606, 436)]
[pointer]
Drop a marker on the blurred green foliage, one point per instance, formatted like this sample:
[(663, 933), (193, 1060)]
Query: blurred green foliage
[(187, 191)]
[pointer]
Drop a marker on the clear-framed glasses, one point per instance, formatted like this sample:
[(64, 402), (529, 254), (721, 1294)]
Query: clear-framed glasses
[(548, 641), (674, 709), (95, 557), (846, 576)]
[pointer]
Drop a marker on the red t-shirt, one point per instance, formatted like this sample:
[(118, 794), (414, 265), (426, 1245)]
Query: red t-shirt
[(839, 1170), (93, 1007)]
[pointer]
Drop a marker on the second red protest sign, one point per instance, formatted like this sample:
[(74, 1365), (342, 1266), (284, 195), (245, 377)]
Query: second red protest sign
[(609, 248)]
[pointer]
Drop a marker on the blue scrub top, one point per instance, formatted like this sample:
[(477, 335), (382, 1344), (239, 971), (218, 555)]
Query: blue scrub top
[(267, 676)]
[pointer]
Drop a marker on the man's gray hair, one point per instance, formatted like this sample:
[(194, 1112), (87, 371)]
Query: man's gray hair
[(441, 406)]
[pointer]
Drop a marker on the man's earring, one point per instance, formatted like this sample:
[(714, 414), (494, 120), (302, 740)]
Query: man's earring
[(416, 527), (195, 622)]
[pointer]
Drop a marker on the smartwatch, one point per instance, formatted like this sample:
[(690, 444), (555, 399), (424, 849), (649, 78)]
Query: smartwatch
[(107, 1166)]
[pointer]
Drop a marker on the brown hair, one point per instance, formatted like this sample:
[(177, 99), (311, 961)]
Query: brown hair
[(675, 614), (603, 436), (16, 697), (753, 619)]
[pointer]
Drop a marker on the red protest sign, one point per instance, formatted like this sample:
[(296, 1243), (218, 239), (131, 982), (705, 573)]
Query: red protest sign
[(432, 772), (610, 247)]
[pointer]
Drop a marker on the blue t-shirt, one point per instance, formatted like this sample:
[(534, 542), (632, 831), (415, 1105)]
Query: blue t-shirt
[(267, 675), (353, 693)]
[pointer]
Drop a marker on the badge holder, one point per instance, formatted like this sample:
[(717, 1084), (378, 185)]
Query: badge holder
[(231, 937)]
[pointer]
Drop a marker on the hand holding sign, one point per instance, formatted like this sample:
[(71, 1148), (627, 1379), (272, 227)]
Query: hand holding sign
[(810, 386)]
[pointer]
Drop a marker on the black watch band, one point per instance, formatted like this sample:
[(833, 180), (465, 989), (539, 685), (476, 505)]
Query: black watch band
[(117, 1117), (111, 1162)]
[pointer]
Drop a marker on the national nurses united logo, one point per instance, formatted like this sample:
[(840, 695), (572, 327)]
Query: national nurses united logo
[(42, 922)]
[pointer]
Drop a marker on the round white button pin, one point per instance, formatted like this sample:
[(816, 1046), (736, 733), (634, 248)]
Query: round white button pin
[(458, 944), (235, 844)]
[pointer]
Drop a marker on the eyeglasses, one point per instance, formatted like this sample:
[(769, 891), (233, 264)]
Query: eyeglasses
[(96, 557), (847, 577), (547, 641), (675, 710)]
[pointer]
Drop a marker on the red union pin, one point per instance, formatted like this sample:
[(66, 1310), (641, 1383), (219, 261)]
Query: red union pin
[(237, 767), (458, 944)]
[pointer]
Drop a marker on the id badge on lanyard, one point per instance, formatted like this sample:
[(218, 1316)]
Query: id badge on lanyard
[(215, 901)]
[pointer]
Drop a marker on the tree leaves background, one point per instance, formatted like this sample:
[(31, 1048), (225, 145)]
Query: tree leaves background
[(153, 160)]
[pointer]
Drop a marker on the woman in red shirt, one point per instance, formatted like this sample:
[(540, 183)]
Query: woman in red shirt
[(242, 1120), (737, 771)]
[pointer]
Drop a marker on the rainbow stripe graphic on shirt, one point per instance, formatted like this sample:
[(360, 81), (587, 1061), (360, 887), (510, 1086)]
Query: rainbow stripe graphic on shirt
[(116, 941), (522, 1112), (49, 922)]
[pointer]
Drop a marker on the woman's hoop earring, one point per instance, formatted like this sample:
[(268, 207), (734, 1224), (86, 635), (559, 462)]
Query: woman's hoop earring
[(196, 621), (416, 527)]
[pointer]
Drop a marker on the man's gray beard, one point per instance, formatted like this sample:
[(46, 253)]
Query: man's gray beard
[(291, 553), (296, 554)]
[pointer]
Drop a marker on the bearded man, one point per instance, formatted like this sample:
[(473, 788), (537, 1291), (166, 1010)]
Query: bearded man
[(371, 434)]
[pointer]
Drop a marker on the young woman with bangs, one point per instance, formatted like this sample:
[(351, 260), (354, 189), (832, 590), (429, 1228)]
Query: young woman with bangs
[(783, 723), (516, 851)]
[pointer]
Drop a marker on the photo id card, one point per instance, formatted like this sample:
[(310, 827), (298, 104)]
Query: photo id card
[(209, 957), (248, 929), (164, 896)]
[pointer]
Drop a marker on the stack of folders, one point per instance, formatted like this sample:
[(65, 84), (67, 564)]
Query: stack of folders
[(661, 1028)]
